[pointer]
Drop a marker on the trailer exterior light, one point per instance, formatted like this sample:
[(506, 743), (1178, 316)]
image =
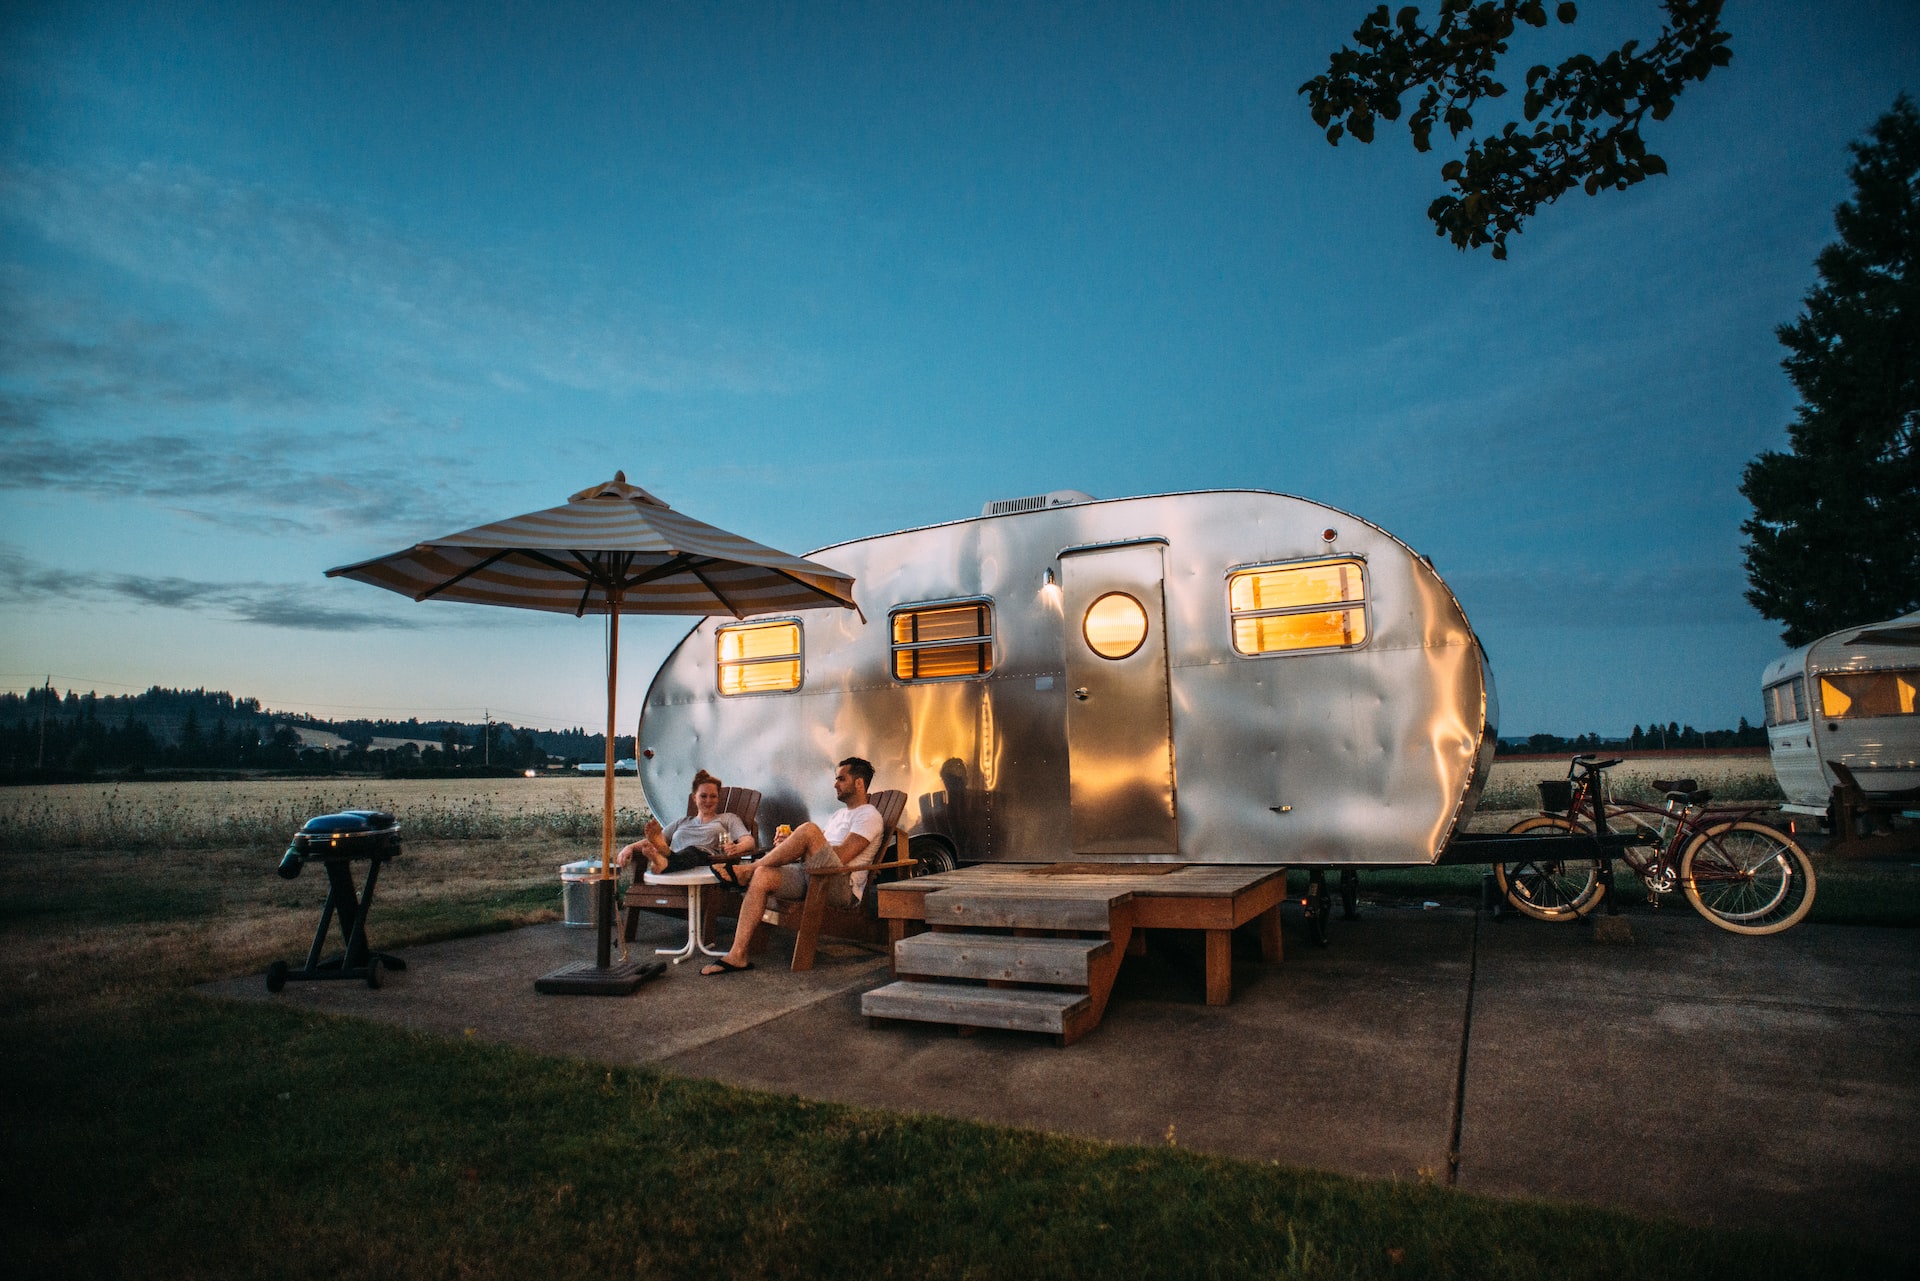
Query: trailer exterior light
[(1115, 625)]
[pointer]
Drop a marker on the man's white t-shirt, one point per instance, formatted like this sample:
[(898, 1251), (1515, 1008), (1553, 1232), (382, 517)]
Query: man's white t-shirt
[(860, 820)]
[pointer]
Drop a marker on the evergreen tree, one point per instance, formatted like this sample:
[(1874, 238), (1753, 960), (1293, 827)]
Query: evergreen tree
[(1835, 533), (192, 748)]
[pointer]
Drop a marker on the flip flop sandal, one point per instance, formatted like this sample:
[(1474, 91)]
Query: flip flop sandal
[(723, 873), (726, 967)]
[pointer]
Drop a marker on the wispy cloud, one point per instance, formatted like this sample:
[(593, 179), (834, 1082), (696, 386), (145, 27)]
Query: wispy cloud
[(281, 482), (322, 282), (226, 350), (24, 582)]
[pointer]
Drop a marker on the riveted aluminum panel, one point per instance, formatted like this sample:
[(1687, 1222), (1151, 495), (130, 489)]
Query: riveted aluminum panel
[(1369, 755)]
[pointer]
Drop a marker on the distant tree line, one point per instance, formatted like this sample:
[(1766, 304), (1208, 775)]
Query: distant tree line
[(1672, 736), (48, 734)]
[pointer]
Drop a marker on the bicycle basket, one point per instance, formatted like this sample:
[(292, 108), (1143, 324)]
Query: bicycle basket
[(1556, 795)]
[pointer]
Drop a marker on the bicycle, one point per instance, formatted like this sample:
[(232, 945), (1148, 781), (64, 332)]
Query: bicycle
[(1743, 875)]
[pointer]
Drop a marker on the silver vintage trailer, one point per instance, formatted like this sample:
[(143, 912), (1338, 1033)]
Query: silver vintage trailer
[(1848, 698), (1220, 677)]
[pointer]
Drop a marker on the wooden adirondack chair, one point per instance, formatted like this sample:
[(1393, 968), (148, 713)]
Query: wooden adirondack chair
[(812, 916), (641, 897)]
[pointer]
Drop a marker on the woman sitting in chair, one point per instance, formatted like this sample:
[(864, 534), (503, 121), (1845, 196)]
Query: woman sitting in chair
[(701, 839)]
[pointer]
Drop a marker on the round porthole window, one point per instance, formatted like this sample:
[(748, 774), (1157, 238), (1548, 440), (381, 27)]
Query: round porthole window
[(1115, 625)]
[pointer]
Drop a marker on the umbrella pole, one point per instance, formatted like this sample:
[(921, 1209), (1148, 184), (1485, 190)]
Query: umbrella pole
[(603, 977), (603, 951)]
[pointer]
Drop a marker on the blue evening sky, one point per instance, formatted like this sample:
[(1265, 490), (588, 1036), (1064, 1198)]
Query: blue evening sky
[(289, 285)]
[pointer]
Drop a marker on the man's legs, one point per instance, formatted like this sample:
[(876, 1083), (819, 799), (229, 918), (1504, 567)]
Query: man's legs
[(804, 840), (800, 842)]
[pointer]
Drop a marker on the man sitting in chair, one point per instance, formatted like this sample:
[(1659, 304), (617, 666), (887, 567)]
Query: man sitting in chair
[(851, 836), (702, 838)]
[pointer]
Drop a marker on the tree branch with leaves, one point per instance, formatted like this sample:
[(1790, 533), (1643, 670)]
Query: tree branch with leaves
[(1583, 117)]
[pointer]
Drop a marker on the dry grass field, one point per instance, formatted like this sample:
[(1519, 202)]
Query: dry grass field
[(185, 815), (175, 882), (170, 815), (1741, 777)]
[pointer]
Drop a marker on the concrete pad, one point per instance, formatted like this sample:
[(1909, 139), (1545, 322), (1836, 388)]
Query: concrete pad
[(1341, 1059), (1722, 1079), (484, 987), (1695, 1074)]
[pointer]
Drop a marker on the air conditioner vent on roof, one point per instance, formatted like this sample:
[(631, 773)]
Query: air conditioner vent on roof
[(1056, 498)]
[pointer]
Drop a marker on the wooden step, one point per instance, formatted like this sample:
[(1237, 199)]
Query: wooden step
[(1012, 1008), (997, 956), (1001, 909)]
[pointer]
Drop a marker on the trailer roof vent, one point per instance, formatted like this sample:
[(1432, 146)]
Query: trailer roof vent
[(1055, 498)]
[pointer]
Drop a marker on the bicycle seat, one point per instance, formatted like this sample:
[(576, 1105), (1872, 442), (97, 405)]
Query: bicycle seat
[(1671, 785), (1690, 798)]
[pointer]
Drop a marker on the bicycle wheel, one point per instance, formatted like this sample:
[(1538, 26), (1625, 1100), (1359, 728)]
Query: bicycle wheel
[(1747, 877), (1548, 888)]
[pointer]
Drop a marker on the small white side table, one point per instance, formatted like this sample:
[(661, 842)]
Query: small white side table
[(696, 881)]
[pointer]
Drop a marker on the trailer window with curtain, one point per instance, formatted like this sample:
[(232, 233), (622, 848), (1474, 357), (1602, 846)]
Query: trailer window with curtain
[(758, 658), (1786, 701), (1279, 609), (1846, 695), (948, 641)]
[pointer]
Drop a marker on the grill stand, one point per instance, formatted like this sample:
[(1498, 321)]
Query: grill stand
[(358, 961)]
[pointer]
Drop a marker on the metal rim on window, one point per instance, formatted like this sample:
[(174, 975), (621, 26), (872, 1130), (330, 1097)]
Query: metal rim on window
[(1115, 626)]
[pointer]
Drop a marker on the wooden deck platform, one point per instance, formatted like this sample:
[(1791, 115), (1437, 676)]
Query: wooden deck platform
[(1213, 899)]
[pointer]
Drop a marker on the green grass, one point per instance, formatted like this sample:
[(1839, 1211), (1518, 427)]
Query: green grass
[(163, 1134)]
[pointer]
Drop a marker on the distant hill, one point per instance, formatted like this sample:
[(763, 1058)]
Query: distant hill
[(74, 735)]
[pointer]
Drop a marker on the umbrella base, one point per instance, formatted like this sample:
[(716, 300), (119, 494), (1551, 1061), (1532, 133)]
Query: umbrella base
[(584, 978)]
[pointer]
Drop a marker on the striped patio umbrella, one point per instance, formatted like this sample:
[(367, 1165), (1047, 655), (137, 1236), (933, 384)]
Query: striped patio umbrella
[(611, 549)]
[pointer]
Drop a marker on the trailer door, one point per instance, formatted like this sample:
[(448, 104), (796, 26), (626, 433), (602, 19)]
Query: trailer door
[(1119, 725)]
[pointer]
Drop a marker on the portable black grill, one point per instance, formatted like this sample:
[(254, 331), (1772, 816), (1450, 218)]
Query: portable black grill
[(337, 841)]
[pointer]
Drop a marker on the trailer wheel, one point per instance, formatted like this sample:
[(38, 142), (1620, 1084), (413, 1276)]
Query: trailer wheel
[(276, 976), (933, 854), (1349, 894), (1548, 888)]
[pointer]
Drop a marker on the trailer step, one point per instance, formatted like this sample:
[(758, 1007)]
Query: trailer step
[(1020, 910), (1013, 1009), (1064, 962)]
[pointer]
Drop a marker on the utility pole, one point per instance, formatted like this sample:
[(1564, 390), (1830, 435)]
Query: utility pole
[(45, 698), (487, 737)]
